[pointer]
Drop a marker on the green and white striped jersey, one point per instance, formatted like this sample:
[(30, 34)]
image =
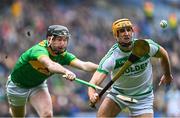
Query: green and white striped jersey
[(137, 79)]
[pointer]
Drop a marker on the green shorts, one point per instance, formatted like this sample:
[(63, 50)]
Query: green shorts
[(19, 96)]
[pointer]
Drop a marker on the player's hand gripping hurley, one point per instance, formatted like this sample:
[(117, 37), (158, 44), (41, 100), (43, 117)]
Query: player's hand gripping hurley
[(124, 98), (140, 48)]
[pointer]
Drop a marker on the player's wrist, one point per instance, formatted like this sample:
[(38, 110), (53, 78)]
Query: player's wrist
[(91, 90), (167, 74), (65, 71)]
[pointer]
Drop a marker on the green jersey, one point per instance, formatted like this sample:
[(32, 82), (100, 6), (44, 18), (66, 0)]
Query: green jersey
[(29, 72)]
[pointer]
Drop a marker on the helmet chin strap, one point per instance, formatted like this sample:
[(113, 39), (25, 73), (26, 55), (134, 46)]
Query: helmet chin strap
[(126, 44), (126, 47), (50, 41)]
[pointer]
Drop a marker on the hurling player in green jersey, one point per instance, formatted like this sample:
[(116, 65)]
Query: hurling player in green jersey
[(135, 82), (27, 81)]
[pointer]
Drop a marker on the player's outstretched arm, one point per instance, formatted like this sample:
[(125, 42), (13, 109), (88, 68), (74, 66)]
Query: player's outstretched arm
[(165, 63), (54, 67), (97, 79), (82, 65)]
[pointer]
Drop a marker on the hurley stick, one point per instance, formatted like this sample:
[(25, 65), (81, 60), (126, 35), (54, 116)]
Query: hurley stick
[(140, 48), (124, 98), (86, 83)]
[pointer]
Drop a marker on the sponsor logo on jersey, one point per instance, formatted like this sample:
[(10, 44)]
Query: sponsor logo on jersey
[(136, 69)]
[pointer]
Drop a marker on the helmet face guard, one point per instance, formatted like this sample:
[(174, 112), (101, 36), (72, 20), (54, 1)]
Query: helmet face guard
[(121, 23), (55, 31)]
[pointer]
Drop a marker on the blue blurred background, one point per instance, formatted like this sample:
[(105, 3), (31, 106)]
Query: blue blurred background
[(24, 22)]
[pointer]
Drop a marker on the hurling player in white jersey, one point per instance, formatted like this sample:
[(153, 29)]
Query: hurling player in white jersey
[(136, 81)]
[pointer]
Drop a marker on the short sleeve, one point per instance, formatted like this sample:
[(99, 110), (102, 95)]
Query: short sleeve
[(68, 58), (154, 47), (106, 65), (38, 51)]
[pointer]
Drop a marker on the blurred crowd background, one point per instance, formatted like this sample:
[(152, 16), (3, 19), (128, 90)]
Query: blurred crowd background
[(24, 23)]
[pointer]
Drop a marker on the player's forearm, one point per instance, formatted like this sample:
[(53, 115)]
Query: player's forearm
[(165, 62), (52, 66), (90, 89), (97, 79), (90, 67), (56, 68)]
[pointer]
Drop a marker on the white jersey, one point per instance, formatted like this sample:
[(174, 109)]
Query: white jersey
[(137, 79)]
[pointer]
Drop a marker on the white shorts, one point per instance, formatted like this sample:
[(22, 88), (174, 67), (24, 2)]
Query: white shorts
[(144, 104), (19, 96)]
